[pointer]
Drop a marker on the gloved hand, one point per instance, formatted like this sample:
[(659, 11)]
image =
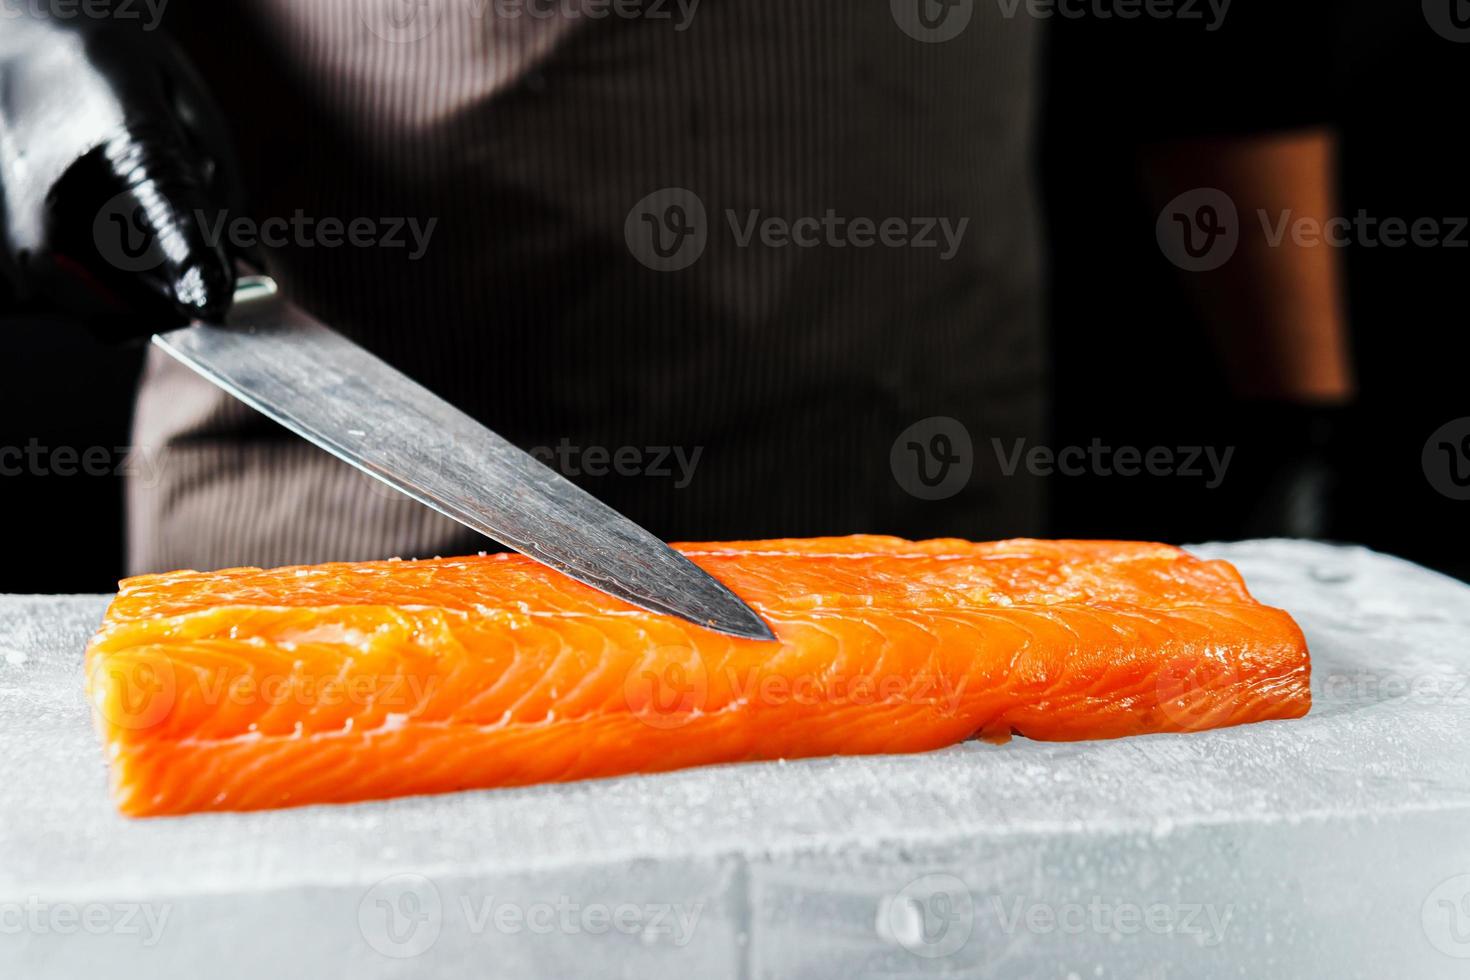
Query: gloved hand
[(109, 153), (1295, 458)]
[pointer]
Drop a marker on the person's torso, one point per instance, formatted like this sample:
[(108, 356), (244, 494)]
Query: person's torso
[(710, 260)]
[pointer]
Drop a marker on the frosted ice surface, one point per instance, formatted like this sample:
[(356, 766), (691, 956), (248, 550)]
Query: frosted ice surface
[(1334, 846)]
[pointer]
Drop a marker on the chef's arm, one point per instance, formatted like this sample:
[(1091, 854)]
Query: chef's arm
[(1276, 307), (109, 152)]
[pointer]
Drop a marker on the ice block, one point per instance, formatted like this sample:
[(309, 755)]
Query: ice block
[(1331, 846)]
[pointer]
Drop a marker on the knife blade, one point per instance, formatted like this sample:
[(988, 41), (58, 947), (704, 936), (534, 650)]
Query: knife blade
[(278, 359)]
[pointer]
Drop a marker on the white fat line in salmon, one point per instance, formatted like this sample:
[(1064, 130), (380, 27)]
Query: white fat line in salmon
[(1102, 460)]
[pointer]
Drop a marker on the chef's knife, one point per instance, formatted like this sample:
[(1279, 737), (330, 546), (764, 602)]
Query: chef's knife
[(276, 358)]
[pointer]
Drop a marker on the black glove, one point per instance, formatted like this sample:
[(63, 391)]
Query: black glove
[(110, 153), (1294, 457)]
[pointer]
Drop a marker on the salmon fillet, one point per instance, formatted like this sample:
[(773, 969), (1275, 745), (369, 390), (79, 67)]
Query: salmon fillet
[(248, 689)]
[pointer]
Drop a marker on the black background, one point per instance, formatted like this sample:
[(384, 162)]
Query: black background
[(1118, 316), (1132, 363)]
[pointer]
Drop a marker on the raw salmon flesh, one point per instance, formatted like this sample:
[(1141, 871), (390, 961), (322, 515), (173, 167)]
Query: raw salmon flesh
[(249, 689)]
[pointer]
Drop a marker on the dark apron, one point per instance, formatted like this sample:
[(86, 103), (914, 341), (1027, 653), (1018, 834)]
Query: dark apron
[(682, 358)]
